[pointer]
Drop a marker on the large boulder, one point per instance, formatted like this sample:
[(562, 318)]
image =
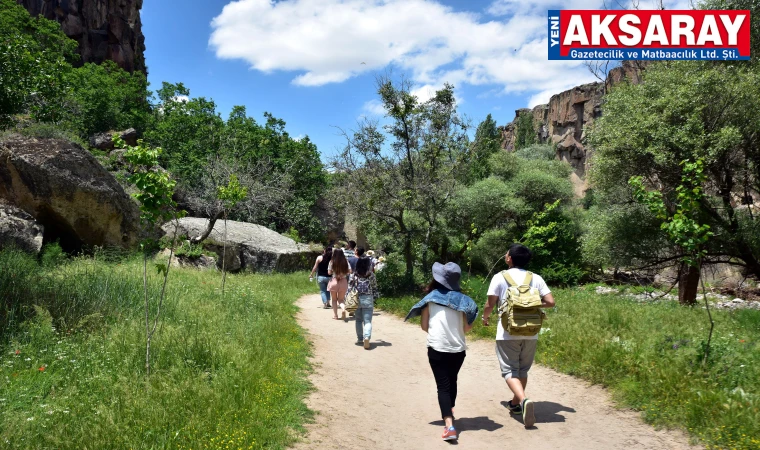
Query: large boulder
[(18, 229), (68, 192), (250, 247), (104, 141)]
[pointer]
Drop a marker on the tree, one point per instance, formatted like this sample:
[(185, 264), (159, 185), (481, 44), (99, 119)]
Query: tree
[(403, 174), (487, 142), (35, 56), (687, 111), (155, 190), (525, 131)]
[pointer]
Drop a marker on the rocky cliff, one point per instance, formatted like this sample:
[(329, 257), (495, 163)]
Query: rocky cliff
[(105, 29), (563, 120)]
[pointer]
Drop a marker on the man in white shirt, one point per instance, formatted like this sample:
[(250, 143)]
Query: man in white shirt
[(516, 353)]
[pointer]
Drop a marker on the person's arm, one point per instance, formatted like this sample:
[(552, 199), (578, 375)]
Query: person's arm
[(425, 318), (490, 304), (467, 326), (547, 301), (329, 268), (316, 263)]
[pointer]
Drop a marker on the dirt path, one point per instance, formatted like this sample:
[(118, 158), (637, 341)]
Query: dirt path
[(385, 397)]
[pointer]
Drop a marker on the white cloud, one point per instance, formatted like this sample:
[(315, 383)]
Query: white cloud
[(373, 107), (330, 41)]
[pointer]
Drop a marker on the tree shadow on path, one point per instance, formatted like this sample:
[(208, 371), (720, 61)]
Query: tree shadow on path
[(545, 412)]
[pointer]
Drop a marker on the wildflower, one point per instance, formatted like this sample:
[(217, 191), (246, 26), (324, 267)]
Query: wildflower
[(42, 368), (18, 352)]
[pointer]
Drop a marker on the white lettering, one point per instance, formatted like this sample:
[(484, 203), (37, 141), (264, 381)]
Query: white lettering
[(709, 32), (681, 25), (601, 28), (732, 27), (655, 32), (575, 32), (634, 34)]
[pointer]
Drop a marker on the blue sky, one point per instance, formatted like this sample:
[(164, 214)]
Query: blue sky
[(302, 59)]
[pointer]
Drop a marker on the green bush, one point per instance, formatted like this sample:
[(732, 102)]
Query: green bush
[(537, 151), (392, 279), (52, 255)]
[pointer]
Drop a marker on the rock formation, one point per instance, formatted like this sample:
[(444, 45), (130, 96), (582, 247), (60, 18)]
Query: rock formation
[(18, 229), (105, 29), (67, 191), (250, 247), (563, 120)]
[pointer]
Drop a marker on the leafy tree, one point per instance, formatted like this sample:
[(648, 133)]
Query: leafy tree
[(401, 176), (687, 111), (487, 142), (34, 58), (104, 97), (525, 130), (155, 191)]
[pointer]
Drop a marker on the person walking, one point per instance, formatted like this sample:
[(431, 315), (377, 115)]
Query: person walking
[(364, 282), (446, 315), (350, 251), (338, 285), (323, 277), (516, 349)]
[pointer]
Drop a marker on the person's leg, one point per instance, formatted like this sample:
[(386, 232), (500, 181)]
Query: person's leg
[(457, 359), (440, 371), (323, 290), (334, 296), (341, 299), (367, 319), (508, 354), (359, 327)]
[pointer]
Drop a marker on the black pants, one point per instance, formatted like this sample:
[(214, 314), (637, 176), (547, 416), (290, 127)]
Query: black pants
[(445, 370)]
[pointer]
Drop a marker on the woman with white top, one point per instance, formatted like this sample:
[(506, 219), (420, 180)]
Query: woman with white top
[(446, 315)]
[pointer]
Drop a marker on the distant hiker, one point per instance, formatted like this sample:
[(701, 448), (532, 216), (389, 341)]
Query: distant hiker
[(371, 255), (338, 285), (352, 260), (323, 277), (380, 264), (520, 295), (365, 283), (447, 315), (351, 250)]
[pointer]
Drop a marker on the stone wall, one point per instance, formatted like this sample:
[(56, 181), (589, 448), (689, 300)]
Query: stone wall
[(105, 29), (562, 122)]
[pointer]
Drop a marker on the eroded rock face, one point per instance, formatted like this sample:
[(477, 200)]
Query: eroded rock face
[(249, 247), (561, 122), (68, 192), (105, 29), (19, 229)]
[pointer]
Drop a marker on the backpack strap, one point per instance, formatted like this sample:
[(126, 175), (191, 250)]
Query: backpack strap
[(528, 278), (508, 278)]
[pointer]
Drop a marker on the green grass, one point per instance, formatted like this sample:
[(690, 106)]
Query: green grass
[(226, 373), (650, 357)]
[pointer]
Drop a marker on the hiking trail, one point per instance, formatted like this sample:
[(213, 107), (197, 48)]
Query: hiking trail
[(385, 397)]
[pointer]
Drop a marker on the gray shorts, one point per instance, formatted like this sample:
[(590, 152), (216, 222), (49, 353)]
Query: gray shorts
[(516, 357)]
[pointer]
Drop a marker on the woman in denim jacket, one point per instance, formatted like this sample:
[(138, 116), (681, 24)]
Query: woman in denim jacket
[(365, 284), (447, 315)]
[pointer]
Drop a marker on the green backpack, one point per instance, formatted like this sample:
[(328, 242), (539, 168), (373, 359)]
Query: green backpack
[(520, 312)]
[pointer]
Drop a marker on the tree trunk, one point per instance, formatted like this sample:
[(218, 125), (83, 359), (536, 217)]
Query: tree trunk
[(425, 247), (688, 284), (409, 257), (209, 228)]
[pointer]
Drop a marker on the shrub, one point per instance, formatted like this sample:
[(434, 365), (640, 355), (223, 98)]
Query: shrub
[(538, 151), (392, 279)]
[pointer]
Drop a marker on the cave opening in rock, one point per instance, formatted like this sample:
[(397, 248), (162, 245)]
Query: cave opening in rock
[(58, 230)]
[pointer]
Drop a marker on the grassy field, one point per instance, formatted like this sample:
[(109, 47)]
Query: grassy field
[(650, 356), (226, 373)]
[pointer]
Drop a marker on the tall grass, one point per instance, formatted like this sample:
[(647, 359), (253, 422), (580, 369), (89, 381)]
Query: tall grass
[(650, 356), (226, 373)]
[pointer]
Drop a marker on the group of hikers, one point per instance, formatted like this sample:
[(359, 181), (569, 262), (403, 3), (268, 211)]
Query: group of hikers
[(347, 282), (446, 314)]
